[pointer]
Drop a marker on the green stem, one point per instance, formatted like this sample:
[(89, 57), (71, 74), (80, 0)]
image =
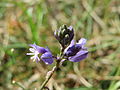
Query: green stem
[(19, 84)]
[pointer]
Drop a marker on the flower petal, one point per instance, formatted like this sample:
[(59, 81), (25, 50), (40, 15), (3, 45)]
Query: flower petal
[(30, 53), (33, 57), (82, 54), (73, 50), (38, 48), (47, 49), (32, 49), (47, 58), (71, 44), (70, 28), (82, 41), (37, 59)]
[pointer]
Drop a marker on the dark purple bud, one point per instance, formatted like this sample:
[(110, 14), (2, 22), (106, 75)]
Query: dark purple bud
[(64, 35)]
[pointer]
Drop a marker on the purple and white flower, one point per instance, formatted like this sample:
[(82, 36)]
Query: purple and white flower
[(45, 53), (76, 51)]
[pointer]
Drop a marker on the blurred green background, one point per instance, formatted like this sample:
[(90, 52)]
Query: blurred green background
[(23, 22)]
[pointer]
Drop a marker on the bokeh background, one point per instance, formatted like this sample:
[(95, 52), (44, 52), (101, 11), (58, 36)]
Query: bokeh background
[(23, 22)]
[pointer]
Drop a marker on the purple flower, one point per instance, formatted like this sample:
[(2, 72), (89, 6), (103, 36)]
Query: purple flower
[(76, 52), (36, 50), (47, 58)]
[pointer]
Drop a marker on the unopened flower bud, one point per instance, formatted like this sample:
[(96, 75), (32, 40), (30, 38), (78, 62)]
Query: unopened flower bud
[(64, 35)]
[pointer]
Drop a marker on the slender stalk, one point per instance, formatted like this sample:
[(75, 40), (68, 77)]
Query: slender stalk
[(19, 84), (50, 73), (48, 78)]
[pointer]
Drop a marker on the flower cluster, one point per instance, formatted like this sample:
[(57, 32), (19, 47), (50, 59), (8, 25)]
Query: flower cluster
[(76, 51), (72, 51)]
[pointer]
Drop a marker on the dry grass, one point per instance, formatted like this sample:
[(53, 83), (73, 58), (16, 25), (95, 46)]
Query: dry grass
[(25, 21)]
